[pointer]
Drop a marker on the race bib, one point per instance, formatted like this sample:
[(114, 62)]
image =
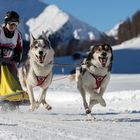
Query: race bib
[(6, 52)]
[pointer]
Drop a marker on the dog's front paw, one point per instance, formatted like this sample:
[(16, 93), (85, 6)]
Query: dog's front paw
[(89, 117), (48, 107), (33, 107), (101, 101), (88, 111)]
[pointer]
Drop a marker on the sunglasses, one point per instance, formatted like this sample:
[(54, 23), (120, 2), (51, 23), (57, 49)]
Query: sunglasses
[(11, 23)]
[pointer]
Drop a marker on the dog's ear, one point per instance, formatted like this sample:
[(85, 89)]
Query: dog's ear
[(44, 35), (31, 38), (46, 39), (111, 54), (90, 55), (111, 60), (110, 68)]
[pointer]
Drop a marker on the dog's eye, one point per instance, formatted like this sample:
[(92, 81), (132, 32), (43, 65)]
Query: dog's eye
[(44, 46), (107, 49), (36, 47), (99, 49)]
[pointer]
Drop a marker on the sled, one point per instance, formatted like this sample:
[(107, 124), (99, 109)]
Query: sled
[(14, 101), (10, 89), (15, 97)]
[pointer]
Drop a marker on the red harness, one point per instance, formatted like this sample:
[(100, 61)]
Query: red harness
[(40, 80), (99, 80)]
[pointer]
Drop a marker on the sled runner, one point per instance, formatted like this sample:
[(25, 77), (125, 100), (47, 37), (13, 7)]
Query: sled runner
[(15, 97), (8, 104)]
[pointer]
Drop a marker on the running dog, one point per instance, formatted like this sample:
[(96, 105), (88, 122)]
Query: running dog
[(37, 70), (93, 75)]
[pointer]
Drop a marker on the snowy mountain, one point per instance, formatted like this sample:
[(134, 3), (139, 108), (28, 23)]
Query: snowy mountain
[(114, 31), (24, 8), (37, 16)]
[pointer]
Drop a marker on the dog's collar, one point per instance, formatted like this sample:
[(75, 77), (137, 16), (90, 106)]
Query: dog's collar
[(41, 79), (44, 65)]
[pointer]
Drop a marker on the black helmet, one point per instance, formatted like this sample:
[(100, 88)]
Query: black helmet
[(11, 16)]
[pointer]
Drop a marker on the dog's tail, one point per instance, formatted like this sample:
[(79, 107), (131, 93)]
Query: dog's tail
[(74, 76)]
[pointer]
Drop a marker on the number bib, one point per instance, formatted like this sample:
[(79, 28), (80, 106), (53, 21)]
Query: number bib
[(6, 52)]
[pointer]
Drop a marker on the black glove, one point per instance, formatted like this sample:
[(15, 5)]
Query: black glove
[(16, 55), (1, 52)]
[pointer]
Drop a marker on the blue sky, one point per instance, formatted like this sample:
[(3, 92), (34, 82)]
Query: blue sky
[(102, 14)]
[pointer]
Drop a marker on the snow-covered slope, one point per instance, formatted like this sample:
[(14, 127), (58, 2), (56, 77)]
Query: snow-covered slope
[(114, 31), (37, 16), (130, 44), (125, 59)]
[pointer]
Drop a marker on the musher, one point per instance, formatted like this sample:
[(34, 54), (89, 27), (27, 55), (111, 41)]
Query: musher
[(10, 56)]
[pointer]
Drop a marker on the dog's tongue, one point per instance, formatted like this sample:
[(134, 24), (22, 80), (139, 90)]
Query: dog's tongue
[(41, 58), (103, 61)]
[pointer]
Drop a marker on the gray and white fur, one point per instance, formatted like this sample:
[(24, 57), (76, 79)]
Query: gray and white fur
[(37, 70), (93, 75)]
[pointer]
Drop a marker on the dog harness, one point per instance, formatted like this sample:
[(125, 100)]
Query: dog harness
[(99, 80), (40, 80)]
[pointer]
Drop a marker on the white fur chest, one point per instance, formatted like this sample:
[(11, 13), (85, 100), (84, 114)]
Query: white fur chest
[(97, 71), (40, 75), (41, 70)]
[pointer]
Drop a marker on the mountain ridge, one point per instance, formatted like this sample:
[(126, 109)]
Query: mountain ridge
[(31, 12)]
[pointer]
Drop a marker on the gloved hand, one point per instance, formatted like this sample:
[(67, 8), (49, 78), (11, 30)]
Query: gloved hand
[(1, 53), (16, 56)]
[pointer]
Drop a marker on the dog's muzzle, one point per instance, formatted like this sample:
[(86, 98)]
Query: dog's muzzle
[(103, 60), (41, 58)]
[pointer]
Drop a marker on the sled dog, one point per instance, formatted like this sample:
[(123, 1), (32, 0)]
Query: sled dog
[(93, 75), (37, 70)]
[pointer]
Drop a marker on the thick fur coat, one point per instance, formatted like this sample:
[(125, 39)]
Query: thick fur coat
[(37, 70), (93, 75)]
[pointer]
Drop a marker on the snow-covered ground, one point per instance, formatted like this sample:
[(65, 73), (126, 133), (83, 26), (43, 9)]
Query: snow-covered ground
[(120, 120)]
